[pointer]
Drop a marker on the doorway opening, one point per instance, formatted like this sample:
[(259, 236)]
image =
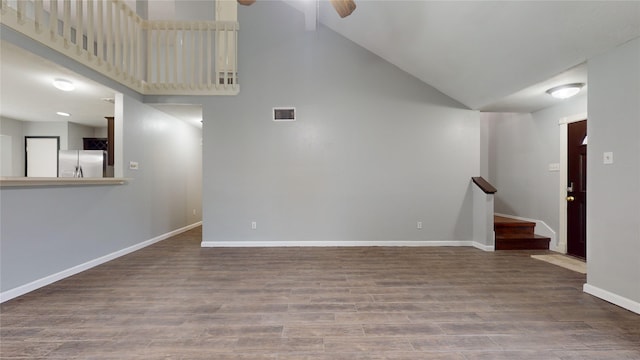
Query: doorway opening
[(572, 205), (577, 189)]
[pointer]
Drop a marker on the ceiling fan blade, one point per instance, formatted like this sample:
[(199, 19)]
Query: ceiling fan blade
[(246, 2), (343, 7)]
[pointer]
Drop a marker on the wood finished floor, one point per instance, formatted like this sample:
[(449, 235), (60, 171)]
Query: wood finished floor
[(175, 300)]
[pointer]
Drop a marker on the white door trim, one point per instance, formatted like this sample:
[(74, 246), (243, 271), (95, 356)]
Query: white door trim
[(564, 164)]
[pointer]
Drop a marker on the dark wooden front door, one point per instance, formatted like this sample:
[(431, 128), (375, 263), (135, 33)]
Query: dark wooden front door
[(577, 190)]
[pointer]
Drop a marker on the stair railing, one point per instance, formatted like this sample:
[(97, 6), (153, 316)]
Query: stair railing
[(181, 57), (150, 57), (483, 207)]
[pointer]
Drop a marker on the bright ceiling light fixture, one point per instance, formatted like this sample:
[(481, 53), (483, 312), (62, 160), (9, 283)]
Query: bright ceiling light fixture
[(565, 91), (64, 85), (61, 113)]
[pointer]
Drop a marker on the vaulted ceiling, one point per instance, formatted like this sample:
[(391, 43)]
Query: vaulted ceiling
[(490, 55)]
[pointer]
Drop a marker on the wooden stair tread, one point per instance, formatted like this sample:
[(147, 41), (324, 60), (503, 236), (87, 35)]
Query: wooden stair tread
[(535, 242), (515, 234), (505, 221), (520, 236)]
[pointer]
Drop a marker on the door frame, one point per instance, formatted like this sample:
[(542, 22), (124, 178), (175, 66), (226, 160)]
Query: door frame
[(26, 155), (564, 165)]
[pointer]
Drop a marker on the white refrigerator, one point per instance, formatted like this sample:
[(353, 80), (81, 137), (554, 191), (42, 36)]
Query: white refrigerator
[(81, 163)]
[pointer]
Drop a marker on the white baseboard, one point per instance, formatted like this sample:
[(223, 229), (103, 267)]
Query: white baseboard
[(405, 243), (541, 229), (483, 247), (34, 285), (612, 298)]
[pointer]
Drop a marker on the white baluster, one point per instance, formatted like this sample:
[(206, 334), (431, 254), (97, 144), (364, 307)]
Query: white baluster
[(21, 11), (192, 52), (125, 43), (66, 19), (109, 29), (167, 55), (90, 29), (79, 27), (235, 56), (150, 55), (174, 38), (38, 16), (53, 20), (132, 45), (100, 33), (184, 56), (226, 56), (209, 49), (200, 55), (139, 50), (117, 58)]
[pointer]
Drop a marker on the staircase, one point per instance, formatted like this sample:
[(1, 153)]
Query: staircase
[(513, 234)]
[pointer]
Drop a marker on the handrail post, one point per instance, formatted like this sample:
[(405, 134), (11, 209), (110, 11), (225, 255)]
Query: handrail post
[(483, 208)]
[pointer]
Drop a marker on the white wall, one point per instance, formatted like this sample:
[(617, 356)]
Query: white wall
[(613, 206), (76, 132), (49, 128), (520, 149), (70, 134), (185, 10), (15, 130), (373, 151), (52, 229)]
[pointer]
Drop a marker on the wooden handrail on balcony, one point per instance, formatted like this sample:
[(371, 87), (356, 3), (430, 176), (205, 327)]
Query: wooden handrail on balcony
[(484, 185), (150, 57)]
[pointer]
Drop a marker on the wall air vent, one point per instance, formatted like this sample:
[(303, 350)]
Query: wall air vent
[(284, 114)]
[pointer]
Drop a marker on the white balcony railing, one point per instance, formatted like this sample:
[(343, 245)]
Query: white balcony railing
[(150, 57)]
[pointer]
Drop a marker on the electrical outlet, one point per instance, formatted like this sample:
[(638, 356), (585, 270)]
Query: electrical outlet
[(419, 225), (254, 225), (607, 158)]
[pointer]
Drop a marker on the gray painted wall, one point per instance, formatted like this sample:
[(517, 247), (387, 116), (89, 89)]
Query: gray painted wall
[(613, 210), (46, 230), (373, 151), (520, 148)]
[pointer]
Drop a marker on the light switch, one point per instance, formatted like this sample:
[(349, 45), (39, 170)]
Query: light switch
[(133, 165), (607, 158), (554, 167)]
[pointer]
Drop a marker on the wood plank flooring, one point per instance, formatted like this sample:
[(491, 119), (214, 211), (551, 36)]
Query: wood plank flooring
[(175, 300)]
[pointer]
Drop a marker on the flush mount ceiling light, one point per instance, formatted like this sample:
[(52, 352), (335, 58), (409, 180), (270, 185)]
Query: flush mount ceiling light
[(64, 85), (565, 91), (63, 113)]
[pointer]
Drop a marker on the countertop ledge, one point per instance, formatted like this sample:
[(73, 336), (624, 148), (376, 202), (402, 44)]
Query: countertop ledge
[(43, 181)]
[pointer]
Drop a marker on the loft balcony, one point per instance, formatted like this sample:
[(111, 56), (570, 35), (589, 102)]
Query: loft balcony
[(150, 57)]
